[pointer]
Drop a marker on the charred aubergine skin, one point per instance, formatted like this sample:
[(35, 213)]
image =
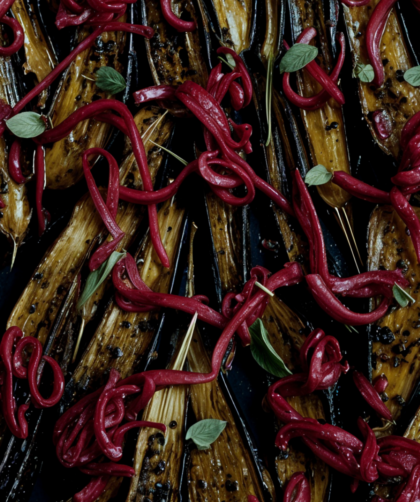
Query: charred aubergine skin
[(396, 98), (396, 336)]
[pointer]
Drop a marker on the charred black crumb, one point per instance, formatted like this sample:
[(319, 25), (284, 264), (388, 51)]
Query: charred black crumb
[(400, 400), (384, 397), (398, 349), (358, 34), (403, 100), (397, 362), (160, 438), (402, 265), (32, 309), (201, 484), (399, 74), (126, 324), (385, 61), (160, 468), (169, 229), (232, 486), (172, 424), (38, 276), (383, 335)]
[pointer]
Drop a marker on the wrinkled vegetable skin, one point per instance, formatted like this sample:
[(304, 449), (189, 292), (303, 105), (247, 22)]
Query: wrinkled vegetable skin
[(287, 335), (399, 99), (328, 144), (78, 88), (390, 247)]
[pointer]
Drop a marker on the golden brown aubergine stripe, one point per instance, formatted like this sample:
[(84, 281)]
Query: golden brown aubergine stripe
[(40, 58), (158, 459), (324, 127), (397, 98), (287, 334), (131, 333), (40, 302), (174, 57), (390, 247), (16, 215), (78, 88)]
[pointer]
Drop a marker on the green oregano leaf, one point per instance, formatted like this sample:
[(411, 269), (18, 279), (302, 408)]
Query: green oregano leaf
[(263, 352), (110, 80), (412, 76), (297, 57), (205, 432), (318, 175), (97, 277), (364, 72), (402, 297), (26, 125)]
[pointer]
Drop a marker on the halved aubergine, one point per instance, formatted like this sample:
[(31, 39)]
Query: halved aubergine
[(229, 468), (15, 217), (174, 57), (287, 334), (77, 88), (325, 127), (40, 58), (395, 337), (233, 22), (397, 98), (41, 300), (281, 159)]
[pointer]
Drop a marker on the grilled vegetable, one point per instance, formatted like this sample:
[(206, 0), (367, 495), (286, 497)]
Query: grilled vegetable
[(158, 460), (173, 57), (124, 340), (228, 466), (396, 336), (234, 22), (274, 21), (16, 215), (40, 302), (397, 99), (78, 88), (40, 58), (281, 158), (286, 334), (324, 127)]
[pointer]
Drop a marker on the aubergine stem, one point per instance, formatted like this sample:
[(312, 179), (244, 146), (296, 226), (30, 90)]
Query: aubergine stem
[(272, 39), (86, 313), (397, 98), (349, 235), (167, 406), (39, 55), (395, 349)]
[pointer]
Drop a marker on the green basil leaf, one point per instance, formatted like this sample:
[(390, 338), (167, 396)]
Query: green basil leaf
[(109, 80), (26, 125), (205, 432), (97, 277), (412, 76), (402, 297), (318, 175), (263, 352), (364, 72), (297, 57)]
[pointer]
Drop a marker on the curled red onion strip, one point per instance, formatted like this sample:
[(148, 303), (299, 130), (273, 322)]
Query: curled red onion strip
[(319, 100), (173, 20), (15, 169), (297, 489), (360, 189), (93, 490), (374, 32), (18, 37), (42, 214), (406, 212), (161, 92)]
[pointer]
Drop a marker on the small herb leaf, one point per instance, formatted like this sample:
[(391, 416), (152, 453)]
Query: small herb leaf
[(110, 80), (97, 277), (297, 57), (412, 76), (205, 432), (263, 352), (402, 297), (26, 125), (318, 175), (364, 72)]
